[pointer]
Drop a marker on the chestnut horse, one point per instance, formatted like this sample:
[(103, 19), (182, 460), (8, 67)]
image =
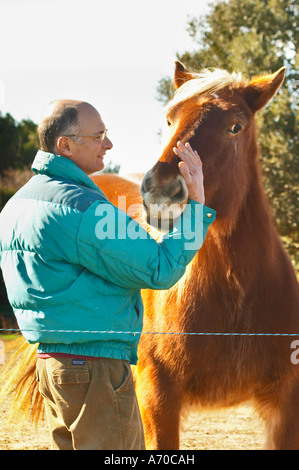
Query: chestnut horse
[(240, 281)]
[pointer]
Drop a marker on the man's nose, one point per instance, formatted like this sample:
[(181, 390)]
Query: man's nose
[(107, 143)]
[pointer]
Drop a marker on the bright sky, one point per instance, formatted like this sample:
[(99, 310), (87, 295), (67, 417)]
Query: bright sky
[(110, 53)]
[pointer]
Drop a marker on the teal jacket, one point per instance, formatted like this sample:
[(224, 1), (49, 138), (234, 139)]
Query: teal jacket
[(73, 265)]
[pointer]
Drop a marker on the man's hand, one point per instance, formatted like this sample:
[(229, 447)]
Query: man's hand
[(190, 167)]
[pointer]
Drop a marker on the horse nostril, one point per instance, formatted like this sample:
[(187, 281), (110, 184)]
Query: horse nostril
[(176, 193), (146, 184)]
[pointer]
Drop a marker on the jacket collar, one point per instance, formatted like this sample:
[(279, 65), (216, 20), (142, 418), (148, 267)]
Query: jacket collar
[(56, 165)]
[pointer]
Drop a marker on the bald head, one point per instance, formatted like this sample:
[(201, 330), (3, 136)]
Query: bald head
[(63, 117)]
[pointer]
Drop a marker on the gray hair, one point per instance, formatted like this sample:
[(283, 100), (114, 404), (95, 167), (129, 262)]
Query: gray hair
[(63, 120)]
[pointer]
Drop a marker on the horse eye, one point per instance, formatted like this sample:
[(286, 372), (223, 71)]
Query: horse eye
[(168, 123), (235, 128)]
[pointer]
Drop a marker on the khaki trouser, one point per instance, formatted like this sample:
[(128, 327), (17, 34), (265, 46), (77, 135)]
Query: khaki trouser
[(90, 404)]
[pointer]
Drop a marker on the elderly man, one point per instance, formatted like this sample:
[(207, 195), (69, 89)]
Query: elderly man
[(69, 287)]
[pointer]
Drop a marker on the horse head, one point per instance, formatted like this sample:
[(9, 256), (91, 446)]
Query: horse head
[(214, 111)]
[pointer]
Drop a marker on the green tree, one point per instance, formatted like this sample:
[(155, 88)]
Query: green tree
[(28, 141), (8, 142), (18, 142), (111, 168), (255, 37)]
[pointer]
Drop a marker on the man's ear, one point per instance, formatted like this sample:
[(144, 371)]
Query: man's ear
[(260, 90), (63, 146)]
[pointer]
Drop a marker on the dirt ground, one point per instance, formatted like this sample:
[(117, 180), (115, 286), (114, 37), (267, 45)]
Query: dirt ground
[(232, 429), (235, 429)]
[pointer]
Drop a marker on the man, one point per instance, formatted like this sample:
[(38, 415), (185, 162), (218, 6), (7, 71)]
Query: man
[(69, 286)]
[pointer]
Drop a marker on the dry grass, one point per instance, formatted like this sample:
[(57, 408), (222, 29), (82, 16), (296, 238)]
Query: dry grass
[(15, 179)]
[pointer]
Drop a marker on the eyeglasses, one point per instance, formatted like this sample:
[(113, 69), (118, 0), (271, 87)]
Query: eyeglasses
[(100, 137)]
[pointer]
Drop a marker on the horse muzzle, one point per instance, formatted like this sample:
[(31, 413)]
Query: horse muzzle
[(163, 199)]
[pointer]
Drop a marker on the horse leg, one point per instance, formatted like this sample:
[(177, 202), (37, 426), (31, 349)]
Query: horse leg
[(282, 419), (160, 407)]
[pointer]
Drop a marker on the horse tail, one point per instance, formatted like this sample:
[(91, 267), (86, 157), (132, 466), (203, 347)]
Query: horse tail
[(18, 378)]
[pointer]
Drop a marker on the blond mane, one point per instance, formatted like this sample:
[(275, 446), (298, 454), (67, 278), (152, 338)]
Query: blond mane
[(205, 82)]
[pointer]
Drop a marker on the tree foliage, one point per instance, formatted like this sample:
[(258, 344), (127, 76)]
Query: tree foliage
[(111, 168), (255, 37), (18, 142)]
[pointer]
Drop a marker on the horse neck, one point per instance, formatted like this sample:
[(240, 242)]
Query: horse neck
[(251, 243)]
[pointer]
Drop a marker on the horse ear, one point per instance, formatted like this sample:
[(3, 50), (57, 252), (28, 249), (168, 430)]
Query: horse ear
[(181, 75), (260, 90)]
